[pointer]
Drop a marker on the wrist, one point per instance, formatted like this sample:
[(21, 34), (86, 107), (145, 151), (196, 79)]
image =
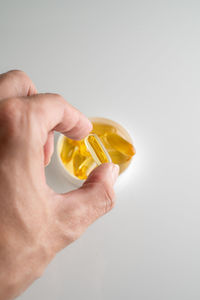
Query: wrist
[(19, 268)]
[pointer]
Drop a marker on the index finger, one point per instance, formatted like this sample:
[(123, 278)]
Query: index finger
[(55, 113)]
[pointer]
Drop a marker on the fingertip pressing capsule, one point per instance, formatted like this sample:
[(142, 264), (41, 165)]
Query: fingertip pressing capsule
[(97, 149)]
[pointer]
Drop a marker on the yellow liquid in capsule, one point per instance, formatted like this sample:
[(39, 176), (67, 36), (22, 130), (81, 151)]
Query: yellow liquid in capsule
[(78, 160), (97, 149)]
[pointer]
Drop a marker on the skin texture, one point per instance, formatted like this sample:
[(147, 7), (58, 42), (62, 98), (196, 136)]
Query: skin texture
[(35, 222)]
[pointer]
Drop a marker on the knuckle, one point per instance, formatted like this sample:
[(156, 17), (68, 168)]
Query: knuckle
[(17, 76), (58, 97), (18, 73), (107, 195), (11, 111), (109, 198)]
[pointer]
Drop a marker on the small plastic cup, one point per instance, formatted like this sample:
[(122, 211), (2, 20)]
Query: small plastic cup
[(78, 182)]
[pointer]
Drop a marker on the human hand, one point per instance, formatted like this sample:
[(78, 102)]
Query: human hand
[(35, 222)]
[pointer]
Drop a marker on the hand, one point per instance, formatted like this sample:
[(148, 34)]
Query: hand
[(35, 222)]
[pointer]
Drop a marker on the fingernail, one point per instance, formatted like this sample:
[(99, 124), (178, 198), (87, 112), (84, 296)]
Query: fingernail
[(90, 125), (115, 172), (47, 163)]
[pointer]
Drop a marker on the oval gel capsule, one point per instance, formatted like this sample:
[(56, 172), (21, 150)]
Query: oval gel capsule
[(97, 149)]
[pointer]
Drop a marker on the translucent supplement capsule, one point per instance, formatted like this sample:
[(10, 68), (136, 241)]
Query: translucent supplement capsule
[(73, 142), (120, 144), (83, 149), (85, 168), (102, 129), (67, 151), (117, 157), (78, 160), (97, 149)]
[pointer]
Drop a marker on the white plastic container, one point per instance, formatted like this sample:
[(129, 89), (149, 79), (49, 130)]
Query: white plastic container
[(78, 182)]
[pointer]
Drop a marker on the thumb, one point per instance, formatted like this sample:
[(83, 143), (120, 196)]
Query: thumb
[(98, 190), (80, 208)]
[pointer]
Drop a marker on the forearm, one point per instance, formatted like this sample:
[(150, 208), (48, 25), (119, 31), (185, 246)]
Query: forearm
[(9, 279), (17, 272)]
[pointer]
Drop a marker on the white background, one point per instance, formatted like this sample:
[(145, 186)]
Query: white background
[(138, 63)]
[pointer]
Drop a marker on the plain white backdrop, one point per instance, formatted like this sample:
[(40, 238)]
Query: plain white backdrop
[(138, 63)]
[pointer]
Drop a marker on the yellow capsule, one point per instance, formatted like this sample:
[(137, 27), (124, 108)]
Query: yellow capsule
[(74, 142), (117, 157), (77, 161), (85, 168), (107, 145), (120, 144), (103, 129), (97, 149), (83, 149), (67, 150), (81, 145)]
